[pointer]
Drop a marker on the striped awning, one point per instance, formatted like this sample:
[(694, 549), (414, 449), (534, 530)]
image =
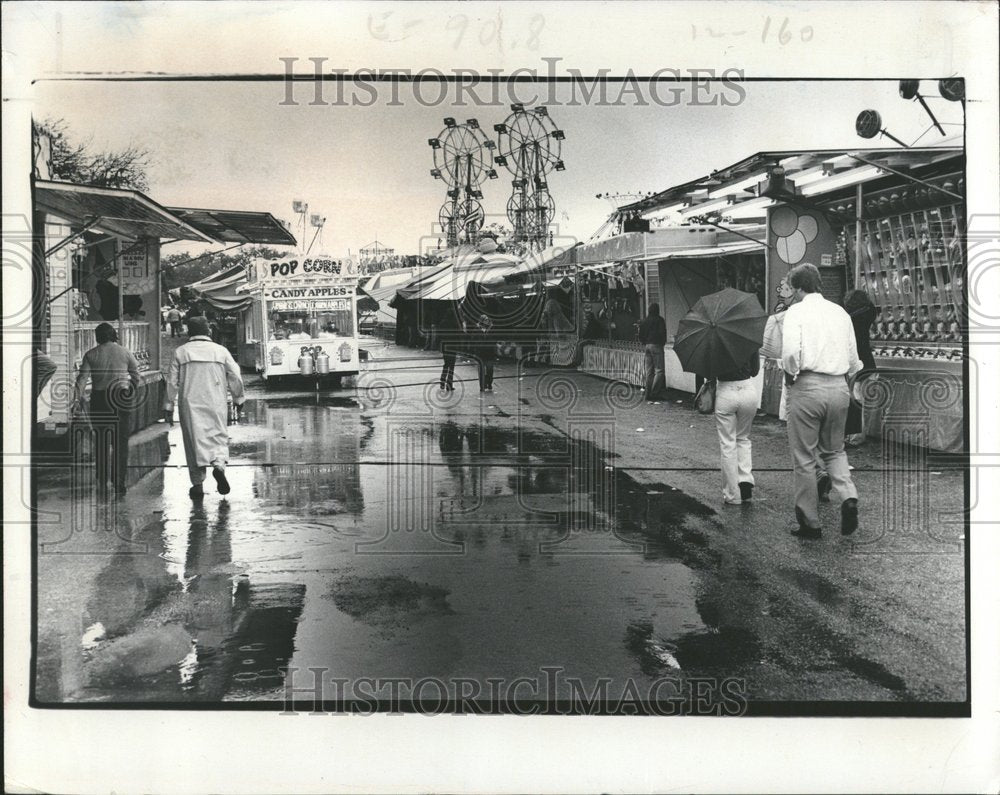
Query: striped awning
[(700, 252), (451, 283)]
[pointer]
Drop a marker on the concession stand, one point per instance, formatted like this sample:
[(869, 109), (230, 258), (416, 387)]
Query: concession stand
[(99, 250), (302, 318)]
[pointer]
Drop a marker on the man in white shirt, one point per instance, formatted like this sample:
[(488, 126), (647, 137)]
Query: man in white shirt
[(818, 354)]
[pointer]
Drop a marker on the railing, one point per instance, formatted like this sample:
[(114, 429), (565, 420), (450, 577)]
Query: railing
[(134, 337)]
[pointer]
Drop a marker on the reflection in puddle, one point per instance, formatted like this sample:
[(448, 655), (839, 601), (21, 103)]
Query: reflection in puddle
[(533, 543), (94, 635)]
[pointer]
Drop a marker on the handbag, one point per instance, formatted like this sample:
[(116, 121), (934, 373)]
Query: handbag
[(773, 333), (704, 401)]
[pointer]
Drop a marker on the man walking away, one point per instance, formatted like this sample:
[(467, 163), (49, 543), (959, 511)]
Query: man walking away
[(174, 319), (485, 352), (197, 382), (653, 336), (818, 354), (114, 375)]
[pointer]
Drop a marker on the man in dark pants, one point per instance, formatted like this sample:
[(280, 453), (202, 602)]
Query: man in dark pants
[(114, 375), (448, 330), (653, 336), (485, 353)]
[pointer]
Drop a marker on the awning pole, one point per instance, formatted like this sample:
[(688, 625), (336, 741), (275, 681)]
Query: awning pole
[(107, 269), (121, 299), (857, 238), (67, 240)]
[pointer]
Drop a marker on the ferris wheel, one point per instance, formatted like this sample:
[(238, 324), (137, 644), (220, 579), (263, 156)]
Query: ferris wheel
[(530, 147), (531, 212), (461, 218), (463, 157), (529, 142)]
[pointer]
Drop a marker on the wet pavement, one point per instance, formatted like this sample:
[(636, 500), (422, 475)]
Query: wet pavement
[(387, 529)]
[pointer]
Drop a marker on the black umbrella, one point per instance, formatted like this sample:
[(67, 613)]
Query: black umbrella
[(720, 333)]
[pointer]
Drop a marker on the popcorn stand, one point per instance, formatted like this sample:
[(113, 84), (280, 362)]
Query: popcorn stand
[(302, 320)]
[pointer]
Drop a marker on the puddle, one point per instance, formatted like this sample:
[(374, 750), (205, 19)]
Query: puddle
[(507, 543), (388, 601), (723, 649)]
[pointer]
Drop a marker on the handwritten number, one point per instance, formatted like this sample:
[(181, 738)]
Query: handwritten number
[(459, 23), (535, 29), (783, 35)]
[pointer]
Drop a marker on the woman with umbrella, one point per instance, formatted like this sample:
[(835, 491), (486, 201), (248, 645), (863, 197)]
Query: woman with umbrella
[(720, 339)]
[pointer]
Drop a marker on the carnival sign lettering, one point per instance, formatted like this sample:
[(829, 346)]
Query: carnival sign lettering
[(293, 267), (313, 305), (310, 292)]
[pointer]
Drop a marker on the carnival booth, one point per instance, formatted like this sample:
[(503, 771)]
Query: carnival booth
[(302, 318), (620, 276), (888, 222), (406, 306), (100, 255), (101, 249)]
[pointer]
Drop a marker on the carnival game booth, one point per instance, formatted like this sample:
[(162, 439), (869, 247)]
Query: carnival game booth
[(420, 301), (302, 318), (890, 222), (620, 276), (101, 253)]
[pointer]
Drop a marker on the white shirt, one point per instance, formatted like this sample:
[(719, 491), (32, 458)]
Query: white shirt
[(819, 337)]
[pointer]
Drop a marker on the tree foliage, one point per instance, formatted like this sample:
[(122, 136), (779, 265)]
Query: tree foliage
[(182, 269), (73, 161)]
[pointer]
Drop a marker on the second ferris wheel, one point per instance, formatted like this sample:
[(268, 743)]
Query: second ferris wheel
[(530, 147)]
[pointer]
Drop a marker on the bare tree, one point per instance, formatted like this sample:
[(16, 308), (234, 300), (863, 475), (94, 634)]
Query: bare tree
[(75, 162)]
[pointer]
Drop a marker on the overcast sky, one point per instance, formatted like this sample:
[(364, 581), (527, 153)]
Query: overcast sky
[(233, 145)]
